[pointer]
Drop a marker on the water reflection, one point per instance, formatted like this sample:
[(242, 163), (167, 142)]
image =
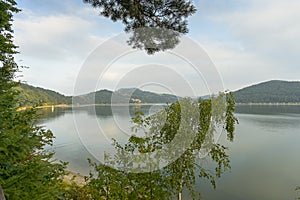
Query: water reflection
[(277, 124), (48, 114), (265, 156), (100, 111), (103, 122), (268, 109), (271, 118)]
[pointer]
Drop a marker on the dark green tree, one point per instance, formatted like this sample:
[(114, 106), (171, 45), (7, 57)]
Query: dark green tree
[(27, 170), (156, 25)]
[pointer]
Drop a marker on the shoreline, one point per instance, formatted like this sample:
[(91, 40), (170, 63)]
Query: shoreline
[(74, 177), (45, 106), (268, 104), (146, 104), (87, 105)]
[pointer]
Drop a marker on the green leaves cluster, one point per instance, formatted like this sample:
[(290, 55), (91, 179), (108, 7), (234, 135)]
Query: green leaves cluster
[(26, 169), (136, 14), (194, 133), (156, 24)]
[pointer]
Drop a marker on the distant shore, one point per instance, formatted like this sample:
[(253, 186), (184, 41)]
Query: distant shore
[(87, 105), (147, 104), (45, 106), (73, 177), (268, 104)]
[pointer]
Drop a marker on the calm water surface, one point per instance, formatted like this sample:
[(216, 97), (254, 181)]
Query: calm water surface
[(265, 155)]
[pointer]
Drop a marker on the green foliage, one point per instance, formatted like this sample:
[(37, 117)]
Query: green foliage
[(35, 96), (141, 13), (7, 66), (76, 192), (7, 48), (22, 155), (27, 171), (230, 119), (113, 184), (270, 92), (192, 125), (156, 24)]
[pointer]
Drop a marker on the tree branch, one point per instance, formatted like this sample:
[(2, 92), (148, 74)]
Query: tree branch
[(2, 197)]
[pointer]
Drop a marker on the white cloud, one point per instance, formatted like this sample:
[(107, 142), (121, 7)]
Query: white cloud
[(266, 24), (268, 36), (249, 41), (54, 47), (54, 37)]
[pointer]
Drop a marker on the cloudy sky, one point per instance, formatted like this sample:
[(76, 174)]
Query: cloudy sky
[(69, 48)]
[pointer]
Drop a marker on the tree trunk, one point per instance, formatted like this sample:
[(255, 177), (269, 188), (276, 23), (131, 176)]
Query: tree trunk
[(179, 196), (180, 189), (2, 197)]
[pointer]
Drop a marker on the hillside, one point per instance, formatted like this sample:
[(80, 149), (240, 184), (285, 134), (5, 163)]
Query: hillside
[(123, 95), (267, 92), (99, 97), (270, 92), (36, 96), (147, 97)]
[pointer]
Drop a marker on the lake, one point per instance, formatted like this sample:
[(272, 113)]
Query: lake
[(265, 155)]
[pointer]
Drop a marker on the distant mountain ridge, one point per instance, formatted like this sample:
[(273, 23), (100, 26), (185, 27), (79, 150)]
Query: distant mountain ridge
[(36, 96), (275, 91), (124, 95), (146, 96)]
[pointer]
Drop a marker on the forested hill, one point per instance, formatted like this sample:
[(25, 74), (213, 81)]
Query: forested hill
[(132, 95), (270, 92), (266, 92), (146, 96), (36, 96)]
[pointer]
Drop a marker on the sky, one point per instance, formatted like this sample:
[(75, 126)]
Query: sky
[(231, 44)]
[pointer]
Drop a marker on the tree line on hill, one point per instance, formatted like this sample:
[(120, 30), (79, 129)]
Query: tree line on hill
[(268, 92), (275, 91), (36, 96)]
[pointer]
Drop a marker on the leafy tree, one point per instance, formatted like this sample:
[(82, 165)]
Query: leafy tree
[(186, 121), (26, 169), (156, 24)]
